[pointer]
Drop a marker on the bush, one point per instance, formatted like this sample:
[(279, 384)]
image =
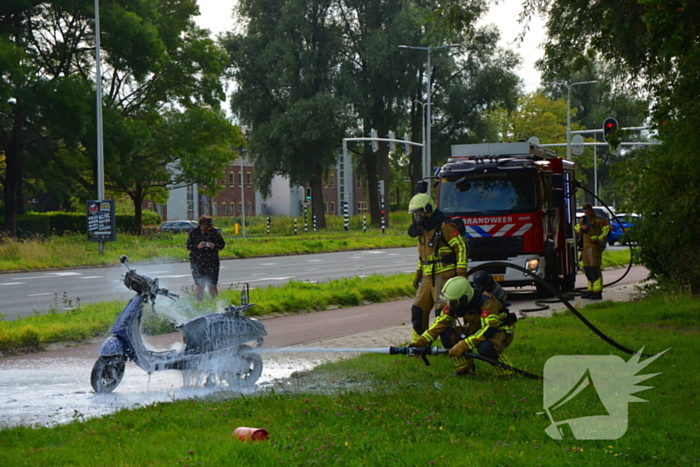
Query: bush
[(59, 223)]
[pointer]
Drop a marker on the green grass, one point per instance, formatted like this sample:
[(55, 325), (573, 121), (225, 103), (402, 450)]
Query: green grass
[(35, 332), (392, 410)]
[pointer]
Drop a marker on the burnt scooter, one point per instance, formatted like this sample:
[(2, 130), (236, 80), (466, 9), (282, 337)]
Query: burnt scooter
[(215, 350)]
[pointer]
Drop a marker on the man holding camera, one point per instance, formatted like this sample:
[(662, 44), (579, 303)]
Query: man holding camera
[(204, 244)]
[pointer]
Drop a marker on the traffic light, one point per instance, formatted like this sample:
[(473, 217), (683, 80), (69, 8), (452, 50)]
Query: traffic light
[(609, 128), (308, 193), (380, 187), (392, 145), (375, 143)]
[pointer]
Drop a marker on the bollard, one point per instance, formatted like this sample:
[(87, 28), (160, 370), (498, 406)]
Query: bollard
[(364, 223), (346, 216), (268, 224), (314, 222), (235, 228), (306, 219), (295, 226)]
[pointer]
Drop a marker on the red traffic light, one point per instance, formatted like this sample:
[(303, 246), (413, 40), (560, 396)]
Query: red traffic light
[(609, 127)]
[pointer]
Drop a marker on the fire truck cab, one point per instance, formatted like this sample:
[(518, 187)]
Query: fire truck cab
[(518, 206)]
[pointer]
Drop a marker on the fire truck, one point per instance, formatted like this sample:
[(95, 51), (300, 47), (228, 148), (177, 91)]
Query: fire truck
[(518, 206)]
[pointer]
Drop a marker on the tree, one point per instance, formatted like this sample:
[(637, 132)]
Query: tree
[(655, 44), (156, 61), (285, 64)]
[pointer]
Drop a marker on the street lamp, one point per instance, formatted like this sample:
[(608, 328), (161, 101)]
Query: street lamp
[(422, 111), (428, 162), (568, 110)]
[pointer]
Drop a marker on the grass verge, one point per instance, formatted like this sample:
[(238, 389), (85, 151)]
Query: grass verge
[(391, 410)]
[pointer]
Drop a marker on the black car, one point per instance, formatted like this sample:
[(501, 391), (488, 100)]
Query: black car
[(177, 226)]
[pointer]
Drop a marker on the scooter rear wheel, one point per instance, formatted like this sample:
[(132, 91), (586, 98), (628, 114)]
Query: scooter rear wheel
[(249, 368), (107, 373)]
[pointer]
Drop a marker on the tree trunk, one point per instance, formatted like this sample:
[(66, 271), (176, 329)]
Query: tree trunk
[(12, 175), (138, 209), (316, 183)]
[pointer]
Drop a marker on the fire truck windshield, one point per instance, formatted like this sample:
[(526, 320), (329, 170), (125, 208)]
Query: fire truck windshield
[(488, 194)]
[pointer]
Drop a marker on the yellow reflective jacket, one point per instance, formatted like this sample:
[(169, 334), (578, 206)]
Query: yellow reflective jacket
[(442, 249)]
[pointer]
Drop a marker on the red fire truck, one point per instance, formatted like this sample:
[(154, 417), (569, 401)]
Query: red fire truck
[(518, 206)]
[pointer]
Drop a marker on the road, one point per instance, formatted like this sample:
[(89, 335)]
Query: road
[(22, 294), (54, 387)]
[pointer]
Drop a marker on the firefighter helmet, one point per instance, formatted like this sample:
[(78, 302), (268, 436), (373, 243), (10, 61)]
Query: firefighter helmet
[(421, 201), (456, 288)]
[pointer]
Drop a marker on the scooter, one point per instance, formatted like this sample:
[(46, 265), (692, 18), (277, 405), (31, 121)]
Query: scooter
[(219, 348)]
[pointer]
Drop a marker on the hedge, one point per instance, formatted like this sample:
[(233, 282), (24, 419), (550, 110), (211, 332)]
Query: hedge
[(59, 223)]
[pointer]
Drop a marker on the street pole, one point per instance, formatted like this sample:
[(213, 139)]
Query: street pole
[(98, 89), (568, 110), (242, 197), (423, 160), (428, 159)]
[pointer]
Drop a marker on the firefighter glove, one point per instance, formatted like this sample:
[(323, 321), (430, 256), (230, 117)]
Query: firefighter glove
[(459, 349), (416, 280), (420, 342)]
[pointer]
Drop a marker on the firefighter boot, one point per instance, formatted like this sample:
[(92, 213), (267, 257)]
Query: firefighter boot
[(596, 296), (586, 294)]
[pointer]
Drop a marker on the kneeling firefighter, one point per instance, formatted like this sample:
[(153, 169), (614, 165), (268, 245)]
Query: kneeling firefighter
[(475, 319), (442, 254)]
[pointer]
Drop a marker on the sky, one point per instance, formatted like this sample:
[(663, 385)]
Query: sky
[(216, 16)]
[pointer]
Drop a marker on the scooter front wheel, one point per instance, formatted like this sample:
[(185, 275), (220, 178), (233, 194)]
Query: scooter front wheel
[(107, 373), (246, 368)]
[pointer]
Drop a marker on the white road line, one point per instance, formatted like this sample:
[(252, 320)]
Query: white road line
[(267, 264), (61, 274), (259, 274), (91, 277), (314, 260), (175, 276), (13, 283), (39, 294), (271, 279)]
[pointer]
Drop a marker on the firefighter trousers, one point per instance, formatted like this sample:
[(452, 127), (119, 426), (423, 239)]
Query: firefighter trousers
[(428, 297)]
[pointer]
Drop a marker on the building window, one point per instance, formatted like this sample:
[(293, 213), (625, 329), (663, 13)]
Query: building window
[(332, 181), (249, 179), (233, 208), (231, 178), (240, 208), (332, 207), (362, 207), (223, 208), (214, 208), (250, 208), (240, 178)]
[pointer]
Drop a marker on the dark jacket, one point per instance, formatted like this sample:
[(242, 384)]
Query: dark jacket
[(205, 256)]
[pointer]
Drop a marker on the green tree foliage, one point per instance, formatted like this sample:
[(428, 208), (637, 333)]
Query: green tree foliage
[(157, 65), (655, 42), (285, 63)]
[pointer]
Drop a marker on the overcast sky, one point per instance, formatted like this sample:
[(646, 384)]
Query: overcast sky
[(216, 16)]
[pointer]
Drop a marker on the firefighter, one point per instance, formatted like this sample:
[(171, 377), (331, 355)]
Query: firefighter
[(442, 254), (595, 230), (473, 319)]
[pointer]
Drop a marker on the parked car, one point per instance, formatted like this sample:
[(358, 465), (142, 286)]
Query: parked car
[(620, 229), (176, 226)]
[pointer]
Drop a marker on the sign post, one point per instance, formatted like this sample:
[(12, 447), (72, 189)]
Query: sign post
[(101, 221)]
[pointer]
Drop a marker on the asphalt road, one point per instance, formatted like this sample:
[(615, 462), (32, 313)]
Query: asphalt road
[(22, 294)]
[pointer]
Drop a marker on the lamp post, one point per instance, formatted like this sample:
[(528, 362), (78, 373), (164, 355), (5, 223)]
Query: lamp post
[(568, 110), (423, 162), (98, 89), (428, 162)]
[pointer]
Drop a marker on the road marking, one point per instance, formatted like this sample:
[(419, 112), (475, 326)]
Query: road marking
[(268, 264), (175, 276), (61, 274), (13, 283), (314, 260), (259, 274), (27, 278), (307, 270), (90, 277), (39, 294), (271, 279)]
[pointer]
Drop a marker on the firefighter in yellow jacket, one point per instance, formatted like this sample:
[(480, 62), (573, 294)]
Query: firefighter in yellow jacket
[(442, 254), (473, 321), (595, 230)]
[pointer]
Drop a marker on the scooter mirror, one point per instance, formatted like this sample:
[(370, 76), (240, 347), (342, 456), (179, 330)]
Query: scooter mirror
[(123, 259)]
